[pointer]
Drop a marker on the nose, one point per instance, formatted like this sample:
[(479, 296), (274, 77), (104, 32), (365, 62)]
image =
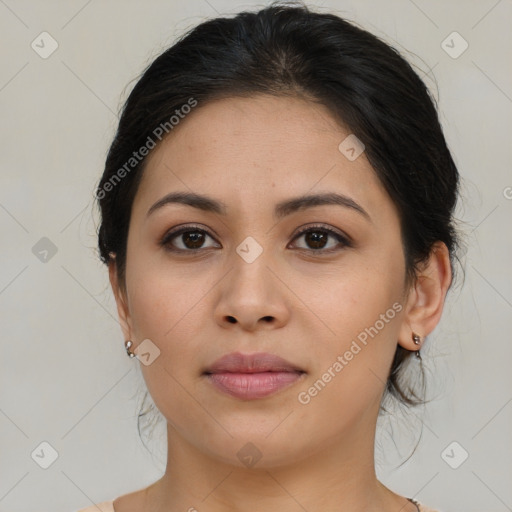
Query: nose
[(252, 296)]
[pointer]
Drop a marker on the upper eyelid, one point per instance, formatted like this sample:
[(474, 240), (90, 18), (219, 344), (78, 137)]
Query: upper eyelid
[(333, 231)]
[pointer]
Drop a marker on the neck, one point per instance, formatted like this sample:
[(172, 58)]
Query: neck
[(339, 476)]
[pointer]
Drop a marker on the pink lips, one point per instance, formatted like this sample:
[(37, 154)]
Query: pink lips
[(252, 376)]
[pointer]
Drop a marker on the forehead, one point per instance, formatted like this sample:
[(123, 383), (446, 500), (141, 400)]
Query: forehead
[(245, 150)]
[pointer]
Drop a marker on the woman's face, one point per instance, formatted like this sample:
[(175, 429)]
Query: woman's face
[(244, 281)]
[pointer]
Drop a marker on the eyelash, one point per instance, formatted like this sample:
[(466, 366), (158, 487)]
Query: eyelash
[(342, 239)]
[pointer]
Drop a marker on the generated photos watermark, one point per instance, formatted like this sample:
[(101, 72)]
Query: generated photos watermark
[(137, 156), (304, 397)]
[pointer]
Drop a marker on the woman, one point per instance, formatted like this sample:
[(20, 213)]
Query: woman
[(277, 220)]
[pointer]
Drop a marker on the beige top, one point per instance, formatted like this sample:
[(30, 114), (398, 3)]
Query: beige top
[(108, 506), (104, 506)]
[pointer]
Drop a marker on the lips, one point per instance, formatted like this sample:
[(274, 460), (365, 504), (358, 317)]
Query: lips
[(251, 363), (252, 376)]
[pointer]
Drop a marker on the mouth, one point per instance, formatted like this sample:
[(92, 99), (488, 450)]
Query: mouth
[(252, 376)]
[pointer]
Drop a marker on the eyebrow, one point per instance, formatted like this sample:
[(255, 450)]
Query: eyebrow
[(282, 209)]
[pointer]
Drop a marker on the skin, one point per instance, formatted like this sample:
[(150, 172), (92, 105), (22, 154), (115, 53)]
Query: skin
[(251, 153)]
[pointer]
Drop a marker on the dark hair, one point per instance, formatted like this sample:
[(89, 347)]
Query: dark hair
[(288, 50)]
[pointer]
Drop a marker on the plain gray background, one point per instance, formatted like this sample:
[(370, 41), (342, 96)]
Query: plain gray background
[(64, 375)]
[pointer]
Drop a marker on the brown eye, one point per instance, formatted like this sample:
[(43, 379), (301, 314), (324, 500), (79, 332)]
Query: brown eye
[(317, 239), (186, 239), (193, 239)]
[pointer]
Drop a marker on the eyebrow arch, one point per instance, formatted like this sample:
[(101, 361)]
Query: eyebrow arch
[(281, 210)]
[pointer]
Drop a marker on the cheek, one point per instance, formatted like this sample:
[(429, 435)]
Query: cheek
[(350, 370), (165, 310), (158, 308), (162, 295), (172, 307), (353, 300), (361, 315)]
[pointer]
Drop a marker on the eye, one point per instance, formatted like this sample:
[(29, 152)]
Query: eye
[(317, 238), (192, 239), (188, 239)]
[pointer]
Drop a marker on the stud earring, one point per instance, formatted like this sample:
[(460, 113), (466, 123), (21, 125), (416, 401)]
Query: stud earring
[(417, 341), (127, 345)]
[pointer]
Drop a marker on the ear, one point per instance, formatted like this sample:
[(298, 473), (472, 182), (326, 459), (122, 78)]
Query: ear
[(121, 300), (426, 298)]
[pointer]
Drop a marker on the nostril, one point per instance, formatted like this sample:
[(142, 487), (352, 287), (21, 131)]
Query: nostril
[(231, 320)]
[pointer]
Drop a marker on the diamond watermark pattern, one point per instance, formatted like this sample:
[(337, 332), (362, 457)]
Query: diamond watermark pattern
[(44, 250), (146, 352), (44, 45), (454, 455), (44, 455), (351, 147), (249, 249), (454, 45), (249, 455)]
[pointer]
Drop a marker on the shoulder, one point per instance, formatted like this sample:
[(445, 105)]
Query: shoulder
[(104, 506), (423, 508)]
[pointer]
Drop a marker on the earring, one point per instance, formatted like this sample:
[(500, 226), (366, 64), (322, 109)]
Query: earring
[(127, 345), (417, 341)]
